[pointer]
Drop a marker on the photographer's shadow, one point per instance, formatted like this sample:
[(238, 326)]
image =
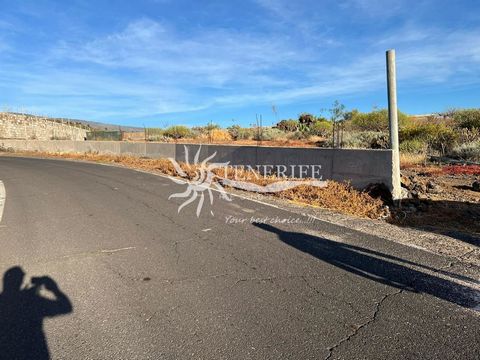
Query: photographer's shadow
[(22, 311)]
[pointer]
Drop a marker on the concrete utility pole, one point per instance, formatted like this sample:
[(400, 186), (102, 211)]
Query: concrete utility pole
[(393, 122)]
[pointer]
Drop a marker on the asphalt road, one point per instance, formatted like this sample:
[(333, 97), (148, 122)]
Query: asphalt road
[(135, 279)]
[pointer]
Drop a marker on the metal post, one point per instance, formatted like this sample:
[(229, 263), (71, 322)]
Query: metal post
[(393, 124)]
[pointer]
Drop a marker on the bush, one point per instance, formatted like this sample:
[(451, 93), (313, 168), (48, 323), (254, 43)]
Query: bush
[(376, 120), (269, 134), (468, 135), (467, 118), (414, 146), (287, 125), (365, 140), (321, 128), (239, 133), (154, 134), (469, 151), (245, 133), (298, 135), (439, 137), (233, 131), (203, 131), (177, 132)]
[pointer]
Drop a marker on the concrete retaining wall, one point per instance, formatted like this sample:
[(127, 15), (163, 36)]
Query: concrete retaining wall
[(360, 167)]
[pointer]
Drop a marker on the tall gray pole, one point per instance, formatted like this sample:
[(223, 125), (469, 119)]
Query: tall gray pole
[(393, 122)]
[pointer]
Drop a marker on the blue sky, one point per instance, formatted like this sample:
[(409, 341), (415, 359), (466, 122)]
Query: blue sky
[(165, 62)]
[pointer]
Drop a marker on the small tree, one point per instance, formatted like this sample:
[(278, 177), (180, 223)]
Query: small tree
[(337, 116), (321, 128)]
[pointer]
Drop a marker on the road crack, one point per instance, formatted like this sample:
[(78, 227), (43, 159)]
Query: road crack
[(360, 327), (177, 253), (335, 299)]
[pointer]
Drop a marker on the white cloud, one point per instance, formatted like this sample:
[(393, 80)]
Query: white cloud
[(209, 58), (377, 8), (163, 70)]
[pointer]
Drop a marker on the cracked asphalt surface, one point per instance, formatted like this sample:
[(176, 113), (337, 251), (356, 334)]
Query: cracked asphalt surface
[(147, 282)]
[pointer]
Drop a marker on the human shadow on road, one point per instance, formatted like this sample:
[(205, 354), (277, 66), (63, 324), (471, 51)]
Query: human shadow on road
[(378, 267), (22, 311)]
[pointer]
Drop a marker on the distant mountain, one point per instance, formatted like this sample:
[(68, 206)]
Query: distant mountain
[(91, 124), (103, 126)]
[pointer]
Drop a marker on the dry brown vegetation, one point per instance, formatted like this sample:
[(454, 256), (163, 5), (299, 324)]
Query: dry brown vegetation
[(340, 197), (335, 196), (408, 160)]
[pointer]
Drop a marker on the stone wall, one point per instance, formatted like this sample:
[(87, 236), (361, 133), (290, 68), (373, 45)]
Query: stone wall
[(29, 127)]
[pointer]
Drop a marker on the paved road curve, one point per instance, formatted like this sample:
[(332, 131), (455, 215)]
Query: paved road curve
[(127, 277)]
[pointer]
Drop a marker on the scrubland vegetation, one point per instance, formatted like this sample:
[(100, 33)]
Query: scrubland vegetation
[(454, 134)]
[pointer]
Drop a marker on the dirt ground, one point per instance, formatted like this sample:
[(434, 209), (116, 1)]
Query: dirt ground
[(441, 199)]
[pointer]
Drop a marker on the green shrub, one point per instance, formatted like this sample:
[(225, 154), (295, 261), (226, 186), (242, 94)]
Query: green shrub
[(352, 140), (421, 132), (468, 151), (467, 118), (365, 140), (269, 134), (321, 128), (233, 131), (287, 125), (376, 120), (298, 135), (439, 137), (177, 132), (239, 133), (414, 146), (349, 115)]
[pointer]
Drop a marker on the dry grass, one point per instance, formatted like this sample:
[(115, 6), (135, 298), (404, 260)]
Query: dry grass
[(411, 160), (339, 197), (215, 135), (335, 196)]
